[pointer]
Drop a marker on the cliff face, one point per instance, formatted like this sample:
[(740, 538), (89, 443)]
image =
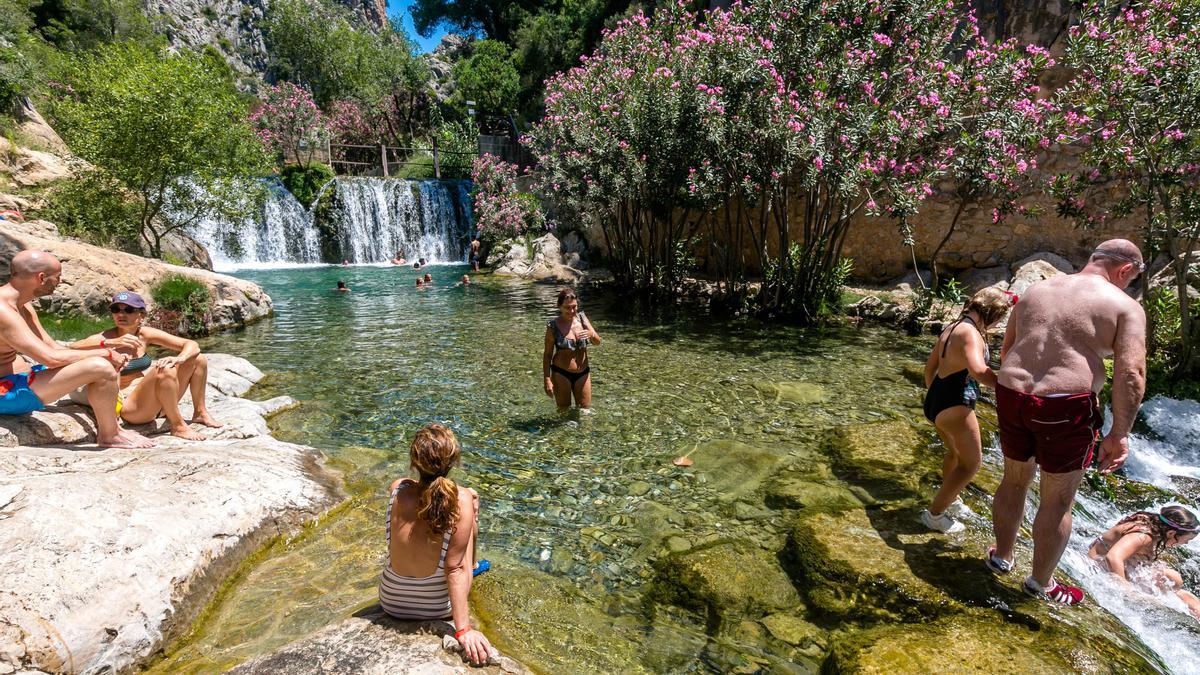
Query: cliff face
[(234, 27)]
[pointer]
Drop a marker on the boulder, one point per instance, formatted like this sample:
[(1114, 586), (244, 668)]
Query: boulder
[(1053, 259), (975, 280), (92, 274), (572, 242), (144, 537), (971, 643), (540, 260), (180, 247), (797, 493), (890, 456), (1030, 273), (796, 632), (30, 168), (726, 581), (911, 282), (731, 469), (373, 643), (35, 127)]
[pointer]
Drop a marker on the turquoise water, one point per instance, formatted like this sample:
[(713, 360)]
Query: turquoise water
[(589, 498)]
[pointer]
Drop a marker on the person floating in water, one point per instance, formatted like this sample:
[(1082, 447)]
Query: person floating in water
[(341, 287), (1139, 538), (474, 259), (416, 266), (422, 261), (150, 388), (420, 282), (465, 281), (428, 279), (431, 533), (345, 263), (565, 369), (956, 367), (399, 258)]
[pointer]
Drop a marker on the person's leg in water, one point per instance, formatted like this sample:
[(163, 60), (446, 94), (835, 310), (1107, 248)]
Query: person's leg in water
[(959, 430), (1052, 524), (1008, 505), (583, 392), (102, 382), (159, 391), (195, 373), (562, 391)]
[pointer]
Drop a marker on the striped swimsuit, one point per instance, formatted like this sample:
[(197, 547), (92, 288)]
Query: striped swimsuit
[(414, 598)]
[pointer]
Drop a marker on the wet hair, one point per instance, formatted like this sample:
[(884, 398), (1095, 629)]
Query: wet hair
[(428, 276), (419, 282), (416, 266), (566, 294), (434, 451), (991, 304), (1158, 525), (341, 284)]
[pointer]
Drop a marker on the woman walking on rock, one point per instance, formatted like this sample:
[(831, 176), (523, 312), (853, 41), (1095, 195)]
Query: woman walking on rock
[(956, 367)]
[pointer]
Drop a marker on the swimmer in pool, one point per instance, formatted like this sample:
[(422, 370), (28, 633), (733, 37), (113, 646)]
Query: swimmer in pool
[(341, 287), (1139, 538), (428, 279), (399, 259), (420, 283)]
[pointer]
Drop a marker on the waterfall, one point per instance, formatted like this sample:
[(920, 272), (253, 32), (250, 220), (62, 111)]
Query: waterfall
[(364, 220), (424, 219)]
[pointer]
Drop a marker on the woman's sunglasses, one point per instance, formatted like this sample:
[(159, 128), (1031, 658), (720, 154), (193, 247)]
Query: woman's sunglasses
[(122, 309)]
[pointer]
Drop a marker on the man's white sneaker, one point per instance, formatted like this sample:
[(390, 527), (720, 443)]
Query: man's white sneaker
[(941, 522)]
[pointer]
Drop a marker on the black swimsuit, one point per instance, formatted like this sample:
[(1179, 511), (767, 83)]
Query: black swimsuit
[(956, 388), (563, 342)]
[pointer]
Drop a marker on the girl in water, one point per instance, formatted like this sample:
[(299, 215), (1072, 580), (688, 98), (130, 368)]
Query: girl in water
[(1139, 538), (565, 370), (431, 530), (956, 367)]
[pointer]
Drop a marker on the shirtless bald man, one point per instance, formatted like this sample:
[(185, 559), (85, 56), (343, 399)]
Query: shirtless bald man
[(33, 275), (1052, 367)]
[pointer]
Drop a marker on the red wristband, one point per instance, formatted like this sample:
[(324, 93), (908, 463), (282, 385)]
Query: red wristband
[(461, 632), (102, 343)]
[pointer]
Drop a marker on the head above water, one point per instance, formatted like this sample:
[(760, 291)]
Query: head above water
[(466, 279), (568, 302), (416, 266), (1181, 522), (1120, 259), (428, 277), (420, 282), (991, 304), (341, 284), (433, 453), (35, 273)]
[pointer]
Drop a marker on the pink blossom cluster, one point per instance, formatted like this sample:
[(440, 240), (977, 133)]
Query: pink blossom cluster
[(501, 211), (289, 123)]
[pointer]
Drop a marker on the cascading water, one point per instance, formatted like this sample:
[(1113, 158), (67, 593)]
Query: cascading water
[(1167, 457), (424, 219), (366, 220)]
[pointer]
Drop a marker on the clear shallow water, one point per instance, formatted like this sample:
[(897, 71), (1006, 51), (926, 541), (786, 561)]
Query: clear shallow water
[(372, 366), (589, 498)]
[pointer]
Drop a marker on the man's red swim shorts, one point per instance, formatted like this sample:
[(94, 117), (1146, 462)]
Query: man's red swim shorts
[(1060, 431)]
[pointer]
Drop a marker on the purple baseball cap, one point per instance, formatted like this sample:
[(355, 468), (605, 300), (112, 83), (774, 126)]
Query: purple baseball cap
[(129, 298)]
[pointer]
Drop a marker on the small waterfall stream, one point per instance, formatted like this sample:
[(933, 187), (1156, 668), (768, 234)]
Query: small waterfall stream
[(363, 220)]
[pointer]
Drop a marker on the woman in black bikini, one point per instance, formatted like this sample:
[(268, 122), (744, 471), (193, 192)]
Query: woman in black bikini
[(565, 370), (956, 367)]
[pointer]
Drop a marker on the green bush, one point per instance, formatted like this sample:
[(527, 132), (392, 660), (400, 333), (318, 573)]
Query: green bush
[(182, 297), (71, 326), (305, 181), (94, 208)]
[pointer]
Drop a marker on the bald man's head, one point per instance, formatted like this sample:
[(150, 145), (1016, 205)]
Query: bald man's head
[(34, 273), (30, 263), (1121, 259)]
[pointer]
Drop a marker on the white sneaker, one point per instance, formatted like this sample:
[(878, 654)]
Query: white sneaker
[(959, 510), (941, 523)]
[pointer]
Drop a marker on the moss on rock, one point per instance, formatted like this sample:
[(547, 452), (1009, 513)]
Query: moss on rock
[(726, 581), (732, 469), (794, 392), (889, 456), (797, 493)]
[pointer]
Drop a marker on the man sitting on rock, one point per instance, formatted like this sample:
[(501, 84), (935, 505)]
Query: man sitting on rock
[(35, 274)]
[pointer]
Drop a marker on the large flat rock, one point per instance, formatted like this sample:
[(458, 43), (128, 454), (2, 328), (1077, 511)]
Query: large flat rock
[(373, 643), (107, 554)]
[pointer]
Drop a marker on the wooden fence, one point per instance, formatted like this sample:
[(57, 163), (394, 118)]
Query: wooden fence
[(386, 160)]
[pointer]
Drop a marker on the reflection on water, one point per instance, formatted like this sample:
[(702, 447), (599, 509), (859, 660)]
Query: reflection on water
[(565, 495)]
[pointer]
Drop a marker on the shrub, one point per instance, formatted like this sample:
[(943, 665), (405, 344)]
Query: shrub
[(182, 304), (305, 181), (72, 326), (93, 207)]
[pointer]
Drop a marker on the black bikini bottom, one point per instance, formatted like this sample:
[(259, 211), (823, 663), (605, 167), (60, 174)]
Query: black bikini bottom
[(571, 377)]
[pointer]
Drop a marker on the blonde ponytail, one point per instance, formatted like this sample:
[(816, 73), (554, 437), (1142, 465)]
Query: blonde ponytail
[(434, 451)]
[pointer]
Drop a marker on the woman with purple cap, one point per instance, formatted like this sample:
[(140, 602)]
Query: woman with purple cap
[(1139, 538), (150, 388)]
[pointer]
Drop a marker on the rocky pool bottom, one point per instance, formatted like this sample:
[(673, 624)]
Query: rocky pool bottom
[(792, 544)]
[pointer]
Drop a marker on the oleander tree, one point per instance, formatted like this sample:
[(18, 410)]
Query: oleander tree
[(501, 211), (289, 124), (1134, 104)]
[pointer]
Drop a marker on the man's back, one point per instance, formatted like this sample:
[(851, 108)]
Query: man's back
[(1061, 332)]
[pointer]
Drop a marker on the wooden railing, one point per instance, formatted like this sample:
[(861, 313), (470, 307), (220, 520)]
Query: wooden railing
[(385, 160)]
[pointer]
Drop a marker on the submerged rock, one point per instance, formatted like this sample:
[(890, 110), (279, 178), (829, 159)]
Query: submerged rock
[(373, 643), (796, 632), (795, 392), (732, 469), (891, 455), (795, 493), (107, 554), (726, 580)]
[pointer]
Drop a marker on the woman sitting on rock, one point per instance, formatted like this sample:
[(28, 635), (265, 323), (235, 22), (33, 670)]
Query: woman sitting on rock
[(431, 530), (565, 368), (1139, 538), (150, 387), (956, 367)]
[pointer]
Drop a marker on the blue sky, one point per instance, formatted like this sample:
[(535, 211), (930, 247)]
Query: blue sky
[(399, 8)]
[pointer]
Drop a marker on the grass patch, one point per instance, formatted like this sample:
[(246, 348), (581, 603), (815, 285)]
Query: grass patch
[(182, 301), (71, 327)]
